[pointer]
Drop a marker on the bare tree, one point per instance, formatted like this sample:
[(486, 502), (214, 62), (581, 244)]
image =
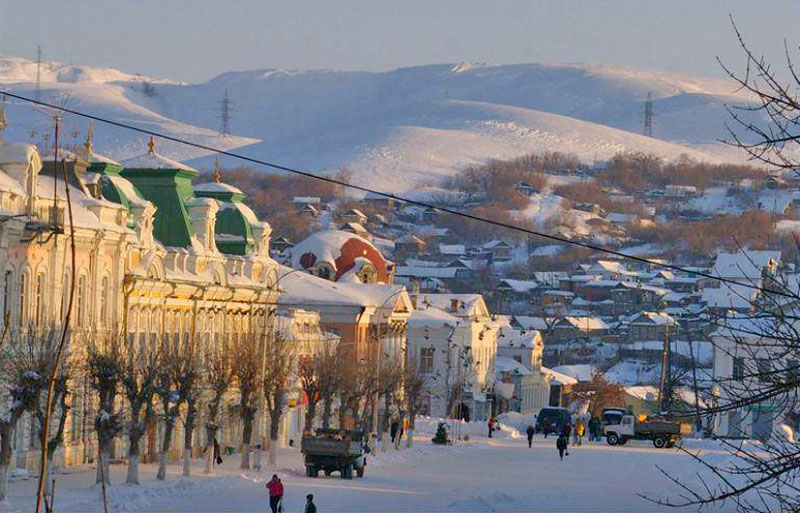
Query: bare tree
[(219, 374), (764, 345), (247, 356), (104, 362), (389, 384), (23, 385), (140, 367), (318, 375), (414, 384), (279, 365), (188, 385)]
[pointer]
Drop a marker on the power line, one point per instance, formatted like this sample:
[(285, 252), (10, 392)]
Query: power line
[(388, 195)]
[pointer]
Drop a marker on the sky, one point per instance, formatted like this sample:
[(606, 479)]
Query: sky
[(195, 40)]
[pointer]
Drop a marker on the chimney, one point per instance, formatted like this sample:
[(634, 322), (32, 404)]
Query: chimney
[(454, 303)]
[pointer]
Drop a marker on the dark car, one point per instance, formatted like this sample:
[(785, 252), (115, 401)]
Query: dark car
[(552, 420)]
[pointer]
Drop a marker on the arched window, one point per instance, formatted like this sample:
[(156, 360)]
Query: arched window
[(325, 271), (23, 298), (368, 274)]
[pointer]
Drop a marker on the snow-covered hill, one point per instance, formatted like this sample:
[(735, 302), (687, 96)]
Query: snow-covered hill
[(399, 128)]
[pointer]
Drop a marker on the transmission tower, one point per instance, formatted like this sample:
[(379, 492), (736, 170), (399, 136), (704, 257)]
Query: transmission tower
[(38, 72), (648, 116), (225, 114)]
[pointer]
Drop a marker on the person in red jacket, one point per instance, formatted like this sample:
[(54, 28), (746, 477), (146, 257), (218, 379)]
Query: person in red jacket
[(275, 488)]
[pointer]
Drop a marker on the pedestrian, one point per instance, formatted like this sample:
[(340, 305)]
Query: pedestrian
[(275, 488), (580, 430), (566, 432), (310, 507), (593, 429), (561, 445), (394, 429), (491, 426), (530, 431)]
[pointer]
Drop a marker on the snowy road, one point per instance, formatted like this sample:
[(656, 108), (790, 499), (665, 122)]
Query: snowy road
[(483, 475)]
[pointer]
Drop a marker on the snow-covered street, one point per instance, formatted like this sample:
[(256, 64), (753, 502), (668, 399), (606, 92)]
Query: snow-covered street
[(500, 474)]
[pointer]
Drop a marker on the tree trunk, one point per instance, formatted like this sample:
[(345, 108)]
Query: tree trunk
[(187, 450), (247, 435), (211, 435), (311, 412), (274, 428), (48, 474), (103, 459), (327, 413), (164, 456), (133, 456), (6, 432)]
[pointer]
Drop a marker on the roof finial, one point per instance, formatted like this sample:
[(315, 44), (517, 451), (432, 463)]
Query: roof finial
[(89, 137), (152, 145), (217, 173)]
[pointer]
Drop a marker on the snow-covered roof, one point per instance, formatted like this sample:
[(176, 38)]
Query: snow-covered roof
[(149, 160), (468, 304), (730, 296), (306, 200), (217, 187), (9, 184), (409, 239), (452, 249), (520, 286), (326, 246), (300, 288), (587, 323), (744, 264), (503, 364), (495, 243), (517, 338), (426, 271), (657, 318), (559, 378), (580, 372), (432, 316), (531, 323)]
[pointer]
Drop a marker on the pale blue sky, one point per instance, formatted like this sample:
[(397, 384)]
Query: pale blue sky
[(195, 40)]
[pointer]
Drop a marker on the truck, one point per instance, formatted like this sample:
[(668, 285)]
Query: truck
[(663, 433), (334, 450)]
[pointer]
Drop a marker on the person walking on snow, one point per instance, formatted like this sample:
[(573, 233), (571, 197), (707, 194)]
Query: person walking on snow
[(566, 432), (530, 431), (561, 445), (580, 430), (310, 507), (275, 488), (491, 426)]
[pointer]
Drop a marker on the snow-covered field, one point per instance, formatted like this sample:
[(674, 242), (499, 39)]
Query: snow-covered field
[(500, 474)]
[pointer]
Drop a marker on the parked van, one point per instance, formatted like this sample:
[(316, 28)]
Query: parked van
[(552, 420)]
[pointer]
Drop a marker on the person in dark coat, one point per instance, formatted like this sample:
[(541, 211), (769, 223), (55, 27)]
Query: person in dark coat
[(491, 426), (530, 432), (561, 445), (275, 488), (393, 429), (310, 507), (566, 432)]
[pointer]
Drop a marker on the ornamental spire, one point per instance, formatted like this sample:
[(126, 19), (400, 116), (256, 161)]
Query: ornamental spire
[(89, 137), (217, 173), (152, 145)]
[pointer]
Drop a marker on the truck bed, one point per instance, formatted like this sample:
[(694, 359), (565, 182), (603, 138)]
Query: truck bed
[(665, 427), (328, 447)]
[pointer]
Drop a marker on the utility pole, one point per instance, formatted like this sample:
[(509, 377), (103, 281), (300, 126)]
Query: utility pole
[(665, 390), (39, 73), (648, 116), (225, 114)]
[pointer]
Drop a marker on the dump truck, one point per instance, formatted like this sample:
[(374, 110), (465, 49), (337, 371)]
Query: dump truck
[(663, 433), (333, 450)]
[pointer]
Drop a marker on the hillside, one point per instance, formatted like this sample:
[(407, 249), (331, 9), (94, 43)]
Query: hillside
[(393, 129)]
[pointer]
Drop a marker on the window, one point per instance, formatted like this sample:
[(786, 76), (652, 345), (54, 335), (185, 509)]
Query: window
[(103, 302), (80, 301), (38, 305), (7, 283), (764, 367), (738, 368), (426, 356), (23, 311)]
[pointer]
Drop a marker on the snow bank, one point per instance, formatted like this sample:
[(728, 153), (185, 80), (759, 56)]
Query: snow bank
[(428, 425)]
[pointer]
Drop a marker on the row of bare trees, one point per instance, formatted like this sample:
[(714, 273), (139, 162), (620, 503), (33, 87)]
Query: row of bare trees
[(138, 384)]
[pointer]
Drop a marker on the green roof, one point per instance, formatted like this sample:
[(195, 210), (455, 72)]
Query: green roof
[(233, 227)]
